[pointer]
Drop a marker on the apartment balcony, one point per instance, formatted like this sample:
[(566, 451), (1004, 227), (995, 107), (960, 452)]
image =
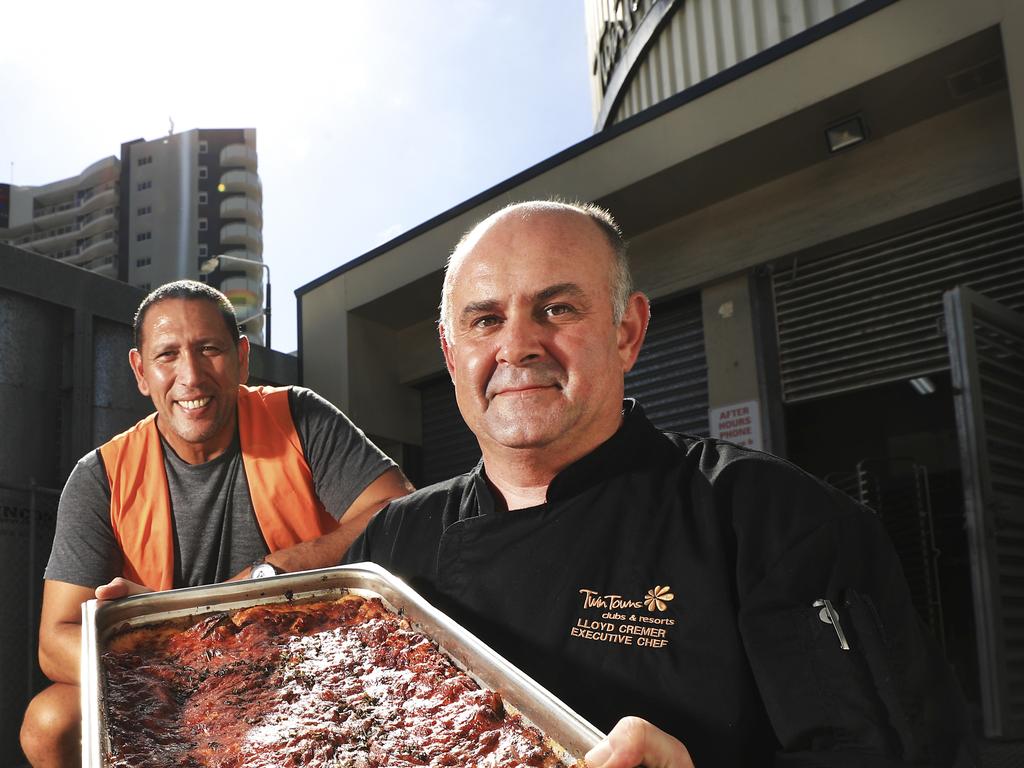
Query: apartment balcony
[(106, 266), (84, 202), (238, 156), (105, 170), (56, 192), (71, 194), (242, 208), (98, 197), (98, 222), (97, 248), (11, 235), (51, 240), (70, 256), (246, 182), (53, 215), (245, 235)]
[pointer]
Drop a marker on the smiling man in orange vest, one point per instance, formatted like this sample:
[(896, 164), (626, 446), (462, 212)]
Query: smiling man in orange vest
[(222, 482)]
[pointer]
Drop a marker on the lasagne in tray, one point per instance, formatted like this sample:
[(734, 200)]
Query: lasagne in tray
[(343, 681)]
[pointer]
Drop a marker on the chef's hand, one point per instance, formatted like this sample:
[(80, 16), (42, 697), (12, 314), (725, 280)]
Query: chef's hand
[(119, 587), (635, 742)]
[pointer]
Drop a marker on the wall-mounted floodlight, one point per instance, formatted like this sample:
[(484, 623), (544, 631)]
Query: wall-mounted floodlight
[(846, 134)]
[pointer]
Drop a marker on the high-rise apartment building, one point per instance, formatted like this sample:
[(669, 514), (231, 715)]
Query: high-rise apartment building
[(72, 220), (155, 215)]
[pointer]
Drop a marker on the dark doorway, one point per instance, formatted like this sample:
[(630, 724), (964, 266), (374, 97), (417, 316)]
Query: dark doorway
[(880, 444)]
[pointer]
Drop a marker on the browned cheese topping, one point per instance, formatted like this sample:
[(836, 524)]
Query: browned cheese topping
[(341, 683)]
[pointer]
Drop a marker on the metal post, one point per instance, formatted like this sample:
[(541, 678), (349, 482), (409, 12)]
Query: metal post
[(32, 535), (266, 309)]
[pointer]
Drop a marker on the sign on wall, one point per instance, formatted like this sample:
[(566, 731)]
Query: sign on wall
[(738, 423)]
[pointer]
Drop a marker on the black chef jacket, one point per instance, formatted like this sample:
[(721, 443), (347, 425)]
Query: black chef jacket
[(674, 578)]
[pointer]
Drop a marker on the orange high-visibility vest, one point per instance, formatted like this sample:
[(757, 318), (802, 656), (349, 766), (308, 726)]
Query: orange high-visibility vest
[(280, 484)]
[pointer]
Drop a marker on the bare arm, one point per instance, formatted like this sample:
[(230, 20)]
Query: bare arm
[(328, 549), (60, 630)]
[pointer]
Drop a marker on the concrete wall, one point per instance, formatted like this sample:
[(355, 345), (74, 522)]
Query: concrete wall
[(733, 376)]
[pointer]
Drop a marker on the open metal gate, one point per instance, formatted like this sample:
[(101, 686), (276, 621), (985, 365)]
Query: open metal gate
[(986, 349)]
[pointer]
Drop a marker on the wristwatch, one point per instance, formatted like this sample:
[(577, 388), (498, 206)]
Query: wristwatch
[(261, 569)]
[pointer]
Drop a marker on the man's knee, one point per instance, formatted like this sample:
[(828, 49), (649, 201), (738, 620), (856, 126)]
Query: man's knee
[(50, 731)]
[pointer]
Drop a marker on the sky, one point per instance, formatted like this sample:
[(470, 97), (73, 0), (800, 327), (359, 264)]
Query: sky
[(371, 117)]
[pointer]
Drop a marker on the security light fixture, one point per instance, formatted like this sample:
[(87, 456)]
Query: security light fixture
[(923, 385), (845, 134)]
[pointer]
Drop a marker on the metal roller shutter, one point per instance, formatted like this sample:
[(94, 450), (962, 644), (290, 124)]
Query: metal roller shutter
[(449, 448), (873, 314), (670, 378)]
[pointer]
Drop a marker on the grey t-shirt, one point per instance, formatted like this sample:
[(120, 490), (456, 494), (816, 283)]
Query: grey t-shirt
[(216, 534)]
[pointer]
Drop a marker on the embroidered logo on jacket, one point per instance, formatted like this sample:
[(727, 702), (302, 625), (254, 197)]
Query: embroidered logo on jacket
[(623, 621), (657, 598)]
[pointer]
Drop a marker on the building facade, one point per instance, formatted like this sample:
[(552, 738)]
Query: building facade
[(155, 215), (823, 201)]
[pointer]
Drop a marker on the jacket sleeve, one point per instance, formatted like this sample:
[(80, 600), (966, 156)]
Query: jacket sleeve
[(889, 698)]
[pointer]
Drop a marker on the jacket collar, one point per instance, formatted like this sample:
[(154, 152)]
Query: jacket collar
[(636, 444)]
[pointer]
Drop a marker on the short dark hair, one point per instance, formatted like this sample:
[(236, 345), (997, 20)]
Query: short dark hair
[(193, 291)]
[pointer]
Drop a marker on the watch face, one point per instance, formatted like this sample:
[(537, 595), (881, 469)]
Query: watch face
[(262, 570)]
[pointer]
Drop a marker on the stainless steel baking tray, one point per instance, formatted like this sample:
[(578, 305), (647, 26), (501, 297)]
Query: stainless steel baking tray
[(569, 731)]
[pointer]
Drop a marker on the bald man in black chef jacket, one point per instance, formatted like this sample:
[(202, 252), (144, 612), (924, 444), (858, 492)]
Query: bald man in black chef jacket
[(709, 604)]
